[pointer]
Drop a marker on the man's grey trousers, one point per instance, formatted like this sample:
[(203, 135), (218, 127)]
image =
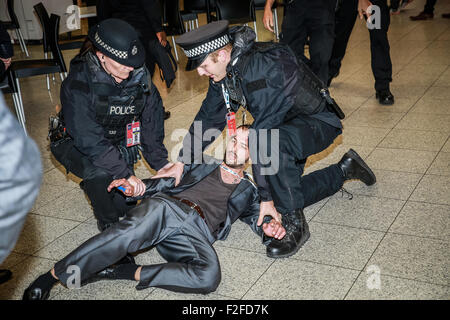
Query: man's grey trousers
[(180, 235)]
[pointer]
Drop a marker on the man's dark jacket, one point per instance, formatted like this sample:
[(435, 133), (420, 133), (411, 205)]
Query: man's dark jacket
[(243, 203)]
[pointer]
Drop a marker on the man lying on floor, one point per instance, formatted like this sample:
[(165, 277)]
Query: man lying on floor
[(182, 222)]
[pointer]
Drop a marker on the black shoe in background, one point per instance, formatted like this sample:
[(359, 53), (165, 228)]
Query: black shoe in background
[(422, 16), (5, 275), (385, 97)]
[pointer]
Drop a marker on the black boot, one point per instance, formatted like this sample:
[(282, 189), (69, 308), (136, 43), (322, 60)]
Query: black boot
[(297, 233), (353, 167), (5, 275)]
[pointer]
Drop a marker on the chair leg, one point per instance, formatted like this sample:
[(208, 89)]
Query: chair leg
[(61, 76), (256, 31), (21, 109), (22, 41), (47, 76), (275, 20), (175, 48), (18, 113), (48, 82), (196, 22)]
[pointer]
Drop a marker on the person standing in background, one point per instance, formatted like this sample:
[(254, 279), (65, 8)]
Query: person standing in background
[(307, 19), (379, 44)]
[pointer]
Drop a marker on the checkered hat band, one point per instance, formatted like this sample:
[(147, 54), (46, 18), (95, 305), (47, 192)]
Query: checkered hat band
[(117, 53), (207, 47)]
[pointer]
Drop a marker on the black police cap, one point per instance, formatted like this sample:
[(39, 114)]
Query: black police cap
[(200, 42), (119, 41)]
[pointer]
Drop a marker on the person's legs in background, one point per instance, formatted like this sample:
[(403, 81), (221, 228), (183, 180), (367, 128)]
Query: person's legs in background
[(320, 29), (293, 29), (344, 22), (150, 63), (380, 55), (427, 13)]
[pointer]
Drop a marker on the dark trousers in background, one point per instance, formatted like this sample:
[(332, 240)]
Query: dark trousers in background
[(150, 61), (108, 206), (299, 138), (180, 235), (429, 6), (379, 43), (313, 19)]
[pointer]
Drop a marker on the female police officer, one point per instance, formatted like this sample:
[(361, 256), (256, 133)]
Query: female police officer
[(111, 111)]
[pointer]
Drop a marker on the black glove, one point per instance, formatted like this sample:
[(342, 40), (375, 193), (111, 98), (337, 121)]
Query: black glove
[(131, 155)]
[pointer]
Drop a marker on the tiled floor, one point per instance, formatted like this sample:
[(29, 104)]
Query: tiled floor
[(396, 231)]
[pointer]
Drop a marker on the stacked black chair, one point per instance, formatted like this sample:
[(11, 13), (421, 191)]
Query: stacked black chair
[(237, 12), (192, 8), (33, 67), (47, 32), (14, 25)]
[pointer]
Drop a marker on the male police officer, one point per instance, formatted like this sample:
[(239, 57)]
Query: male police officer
[(267, 79), (111, 110)]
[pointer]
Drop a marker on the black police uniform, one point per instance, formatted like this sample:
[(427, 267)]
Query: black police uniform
[(285, 98), (273, 89), (379, 43), (96, 111), (305, 19)]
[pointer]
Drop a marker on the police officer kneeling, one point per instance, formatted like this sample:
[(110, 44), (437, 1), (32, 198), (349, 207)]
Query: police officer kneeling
[(111, 111), (282, 94)]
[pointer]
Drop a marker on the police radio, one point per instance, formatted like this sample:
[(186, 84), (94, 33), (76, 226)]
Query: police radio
[(56, 129)]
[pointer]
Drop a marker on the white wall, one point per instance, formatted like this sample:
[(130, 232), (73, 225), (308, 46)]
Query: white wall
[(29, 23)]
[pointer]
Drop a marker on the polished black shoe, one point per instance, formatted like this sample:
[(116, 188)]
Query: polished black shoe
[(36, 294), (126, 260), (109, 273), (5, 275), (354, 167), (297, 233), (385, 97)]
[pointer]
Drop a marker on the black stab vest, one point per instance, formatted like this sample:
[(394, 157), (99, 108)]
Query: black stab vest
[(115, 105)]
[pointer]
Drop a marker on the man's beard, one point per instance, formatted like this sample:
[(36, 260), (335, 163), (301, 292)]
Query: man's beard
[(233, 165)]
